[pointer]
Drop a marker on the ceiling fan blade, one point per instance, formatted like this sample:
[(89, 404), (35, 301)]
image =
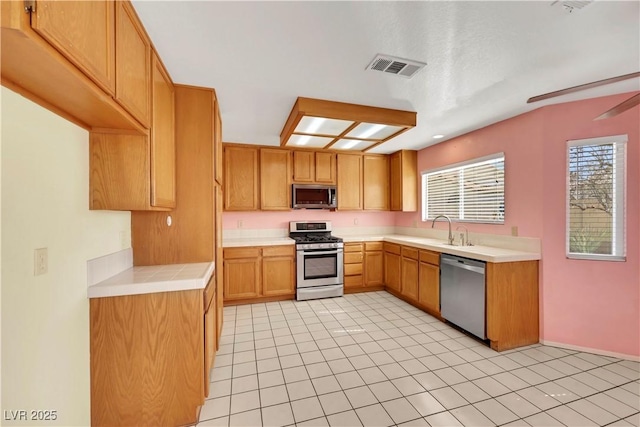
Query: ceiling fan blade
[(620, 108), (583, 87)]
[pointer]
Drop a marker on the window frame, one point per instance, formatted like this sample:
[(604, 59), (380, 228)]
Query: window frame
[(619, 199), (463, 165)]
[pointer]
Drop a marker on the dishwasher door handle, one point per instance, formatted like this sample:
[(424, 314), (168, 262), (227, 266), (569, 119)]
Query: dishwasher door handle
[(462, 266)]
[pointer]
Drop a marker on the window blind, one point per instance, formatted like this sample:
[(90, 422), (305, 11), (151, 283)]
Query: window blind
[(471, 192), (596, 198)]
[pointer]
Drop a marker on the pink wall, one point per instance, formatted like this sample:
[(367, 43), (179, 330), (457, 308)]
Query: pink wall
[(592, 304), (251, 220), (519, 138)]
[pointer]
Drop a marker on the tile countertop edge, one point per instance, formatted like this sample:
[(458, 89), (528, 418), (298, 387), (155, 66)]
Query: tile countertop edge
[(482, 253), (109, 289)]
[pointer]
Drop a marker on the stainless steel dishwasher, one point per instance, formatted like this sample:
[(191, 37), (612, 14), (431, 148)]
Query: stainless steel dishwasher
[(462, 293)]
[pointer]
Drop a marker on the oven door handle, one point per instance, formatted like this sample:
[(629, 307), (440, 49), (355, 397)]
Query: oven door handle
[(320, 252)]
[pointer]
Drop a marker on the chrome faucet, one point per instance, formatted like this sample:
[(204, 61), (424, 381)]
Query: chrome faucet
[(465, 240), (448, 219)]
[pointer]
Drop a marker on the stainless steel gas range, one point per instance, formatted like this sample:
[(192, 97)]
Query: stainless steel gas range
[(319, 256)]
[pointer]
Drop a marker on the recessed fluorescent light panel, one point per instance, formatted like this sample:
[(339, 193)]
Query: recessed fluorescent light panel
[(309, 141), (318, 123), (322, 126), (352, 144)]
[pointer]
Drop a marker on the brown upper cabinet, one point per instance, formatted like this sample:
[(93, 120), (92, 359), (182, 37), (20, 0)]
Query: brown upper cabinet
[(132, 172), (404, 181), (376, 182), (194, 235), (349, 186), (84, 33), (240, 178), (217, 123), (133, 63), (275, 184), (82, 60), (314, 167), (163, 147)]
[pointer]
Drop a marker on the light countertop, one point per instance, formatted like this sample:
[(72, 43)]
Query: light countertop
[(261, 241), (482, 253), (479, 252), (154, 278)]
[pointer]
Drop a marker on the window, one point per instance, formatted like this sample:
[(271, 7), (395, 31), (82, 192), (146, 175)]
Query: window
[(471, 191), (595, 198)]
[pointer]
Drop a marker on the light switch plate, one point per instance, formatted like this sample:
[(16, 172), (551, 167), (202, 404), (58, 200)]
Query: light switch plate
[(40, 261)]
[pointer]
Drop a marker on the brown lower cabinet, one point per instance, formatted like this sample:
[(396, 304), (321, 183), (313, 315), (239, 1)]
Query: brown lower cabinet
[(151, 356), (353, 258), (373, 265), (392, 266), (429, 280), (363, 266), (259, 273), (512, 310), (409, 278)]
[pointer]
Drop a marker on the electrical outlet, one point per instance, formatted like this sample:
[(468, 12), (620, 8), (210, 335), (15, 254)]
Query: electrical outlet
[(355, 221), (240, 223), (40, 261), (514, 230), (415, 224)]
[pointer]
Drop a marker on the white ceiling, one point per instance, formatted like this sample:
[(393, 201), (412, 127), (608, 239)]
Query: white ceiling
[(484, 59)]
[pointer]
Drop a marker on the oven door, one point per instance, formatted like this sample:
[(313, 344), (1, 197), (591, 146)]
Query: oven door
[(320, 267)]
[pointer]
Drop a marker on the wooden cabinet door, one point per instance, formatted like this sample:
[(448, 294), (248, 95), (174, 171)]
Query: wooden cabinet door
[(278, 276), (133, 63), (163, 145), (376, 183), (392, 277), (84, 31), (240, 178), (373, 268), (349, 182), (325, 167), (429, 286), (275, 185), (404, 181), (219, 258), (395, 166), (210, 342), (304, 167), (241, 278), (410, 278), (217, 142)]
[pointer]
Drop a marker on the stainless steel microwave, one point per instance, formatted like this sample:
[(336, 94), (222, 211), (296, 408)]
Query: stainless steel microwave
[(310, 196)]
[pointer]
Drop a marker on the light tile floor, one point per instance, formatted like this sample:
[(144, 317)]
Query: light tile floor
[(371, 359)]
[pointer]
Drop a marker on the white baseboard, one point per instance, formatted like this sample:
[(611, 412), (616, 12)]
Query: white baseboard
[(591, 350)]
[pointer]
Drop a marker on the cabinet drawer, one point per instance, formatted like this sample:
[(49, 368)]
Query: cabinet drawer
[(373, 246), (352, 269), (353, 257), (351, 281), (430, 257), (392, 247), (353, 247), (409, 253), (285, 250), (251, 252)]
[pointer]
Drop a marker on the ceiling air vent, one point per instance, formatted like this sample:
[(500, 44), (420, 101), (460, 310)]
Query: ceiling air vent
[(399, 66)]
